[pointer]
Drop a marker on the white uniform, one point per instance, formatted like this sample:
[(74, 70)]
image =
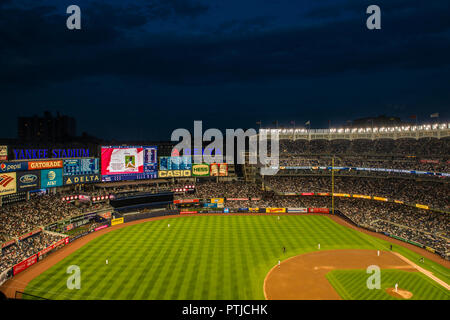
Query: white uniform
[(106, 261), (319, 246), (378, 252), (168, 225), (396, 287), (279, 262)]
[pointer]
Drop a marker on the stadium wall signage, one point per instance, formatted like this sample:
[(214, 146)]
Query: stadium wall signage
[(3, 153), (200, 170), (116, 221), (51, 178), (85, 178), (28, 154), (21, 266), (8, 183), (39, 165), (174, 173), (28, 180), (13, 166)]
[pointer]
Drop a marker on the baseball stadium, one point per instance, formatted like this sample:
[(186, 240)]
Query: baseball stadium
[(351, 214)]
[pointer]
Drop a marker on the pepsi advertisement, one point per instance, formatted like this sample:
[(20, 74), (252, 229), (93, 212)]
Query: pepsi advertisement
[(51, 178), (28, 180)]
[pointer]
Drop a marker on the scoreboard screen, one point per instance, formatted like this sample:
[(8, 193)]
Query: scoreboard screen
[(75, 167), (129, 163)]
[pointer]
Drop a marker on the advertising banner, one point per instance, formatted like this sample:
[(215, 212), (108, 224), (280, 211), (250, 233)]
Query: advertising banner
[(175, 163), (128, 163), (186, 201), (8, 243), (361, 196), (188, 212), (78, 167), (51, 178), (174, 173), (399, 201), (253, 209), (422, 206), (116, 221), (29, 234), (28, 180), (217, 200), (318, 210), (101, 227), (40, 165), (21, 266), (341, 195), (237, 199), (275, 210), (200, 170), (3, 153), (380, 199), (298, 210), (53, 246), (218, 169), (13, 166), (8, 183), (86, 178)]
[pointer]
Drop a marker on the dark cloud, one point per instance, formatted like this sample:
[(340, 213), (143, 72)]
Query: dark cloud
[(165, 9), (194, 46)]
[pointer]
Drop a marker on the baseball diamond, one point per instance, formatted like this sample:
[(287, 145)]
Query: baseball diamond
[(229, 257)]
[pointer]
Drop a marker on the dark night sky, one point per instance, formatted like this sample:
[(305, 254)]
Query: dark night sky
[(142, 68)]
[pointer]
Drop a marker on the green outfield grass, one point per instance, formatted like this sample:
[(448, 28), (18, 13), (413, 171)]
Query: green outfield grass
[(351, 285), (201, 257)]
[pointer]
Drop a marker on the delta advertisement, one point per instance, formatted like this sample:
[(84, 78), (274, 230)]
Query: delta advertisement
[(28, 180), (51, 178), (87, 178), (8, 183), (128, 163)]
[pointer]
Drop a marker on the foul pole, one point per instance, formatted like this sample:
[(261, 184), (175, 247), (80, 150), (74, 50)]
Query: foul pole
[(332, 185)]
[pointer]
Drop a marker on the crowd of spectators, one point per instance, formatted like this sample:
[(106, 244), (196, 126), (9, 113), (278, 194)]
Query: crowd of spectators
[(400, 147), (434, 194), (422, 226), (20, 218), (24, 249), (430, 165)]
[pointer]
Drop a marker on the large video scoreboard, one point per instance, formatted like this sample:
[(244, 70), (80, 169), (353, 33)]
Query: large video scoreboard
[(128, 163)]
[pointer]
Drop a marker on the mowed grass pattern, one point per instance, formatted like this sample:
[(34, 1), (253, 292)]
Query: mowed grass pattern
[(351, 285), (201, 257)]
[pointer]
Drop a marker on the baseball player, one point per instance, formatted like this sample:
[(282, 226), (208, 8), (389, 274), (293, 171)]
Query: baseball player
[(279, 263)]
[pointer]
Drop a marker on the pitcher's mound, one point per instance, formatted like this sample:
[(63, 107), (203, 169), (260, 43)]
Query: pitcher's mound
[(403, 294)]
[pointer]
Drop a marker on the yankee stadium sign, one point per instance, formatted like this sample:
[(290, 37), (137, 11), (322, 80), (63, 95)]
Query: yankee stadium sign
[(27, 154)]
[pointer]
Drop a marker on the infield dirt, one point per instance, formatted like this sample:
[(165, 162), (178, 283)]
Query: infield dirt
[(20, 281)]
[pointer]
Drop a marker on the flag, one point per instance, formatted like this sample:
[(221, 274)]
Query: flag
[(307, 123), (258, 122), (434, 115)]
